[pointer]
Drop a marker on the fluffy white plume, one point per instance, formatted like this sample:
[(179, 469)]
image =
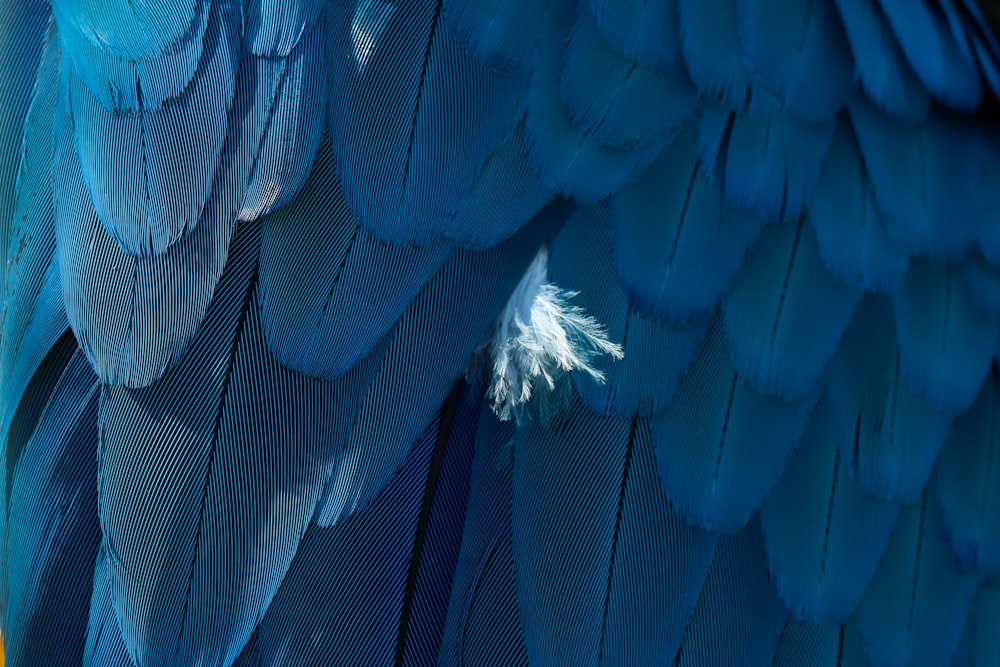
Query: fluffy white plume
[(538, 339)]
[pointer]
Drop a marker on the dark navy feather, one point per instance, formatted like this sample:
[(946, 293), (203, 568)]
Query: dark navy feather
[(915, 608), (780, 342), (678, 242), (978, 645), (53, 530), (593, 530), (824, 534), (850, 228), (820, 646), (799, 52), (712, 49), (149, 172), (721, 444)]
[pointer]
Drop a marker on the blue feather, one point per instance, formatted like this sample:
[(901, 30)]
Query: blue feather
[(946, 343), (889, 436), (53, 530), (277, 28), (799, 52), (500, 33), (933, 53), (105, 646), (773, 163), (483, 626), (739, 617), (849, 226), (968, 481), (988, 228), (136, 316), (32, 316), (881, 68), (711, 44), (607, 571), (566, 159), (721, 444), (388, 609), (240, 482), (824, 534), (780, 342), (616, 102), (820, 646), (645, 32), (149, 172), (656, 354), (927, 181), (391, 395), (296, 119), (124, 83), (983, 282), (677, 241), (915, 608), (978, 645), (399, 115)]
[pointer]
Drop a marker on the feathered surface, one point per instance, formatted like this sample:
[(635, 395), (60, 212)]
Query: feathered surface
[(500, 332)]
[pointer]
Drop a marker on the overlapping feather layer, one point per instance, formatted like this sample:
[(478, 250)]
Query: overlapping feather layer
[(280, 232)]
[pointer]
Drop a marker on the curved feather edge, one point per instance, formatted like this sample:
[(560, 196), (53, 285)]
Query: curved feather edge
[(647, 33), (500, 33), (946, 343), (656, 354), (105, 646), (915, 608), (968, 481), (711, 45), (779, 341), (275, 29), (739, 618), (889, 435), (820, 646), (850, 228), (615, 101), (241, 482), (824, 535), (149, 173), (32, 316), (409, 144), (566, 160), (483, 625), (677, 241), (799, 52), (979, 644), (721, 445), (406, 376), (389, 609), (936, 58), (53, 530), (881, 69), (295, 124), (927, 179), (122, 84), (607, 572), (136, 316)]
